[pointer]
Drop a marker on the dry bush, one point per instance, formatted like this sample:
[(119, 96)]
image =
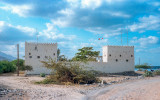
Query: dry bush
[(69, 72)]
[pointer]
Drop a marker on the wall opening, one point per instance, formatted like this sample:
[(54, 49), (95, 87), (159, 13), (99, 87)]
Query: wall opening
[(46, 57), (38, 57), (126, 60), (116, 60)]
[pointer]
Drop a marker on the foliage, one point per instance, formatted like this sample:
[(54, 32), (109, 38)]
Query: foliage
[(6, 66), (144, 66), (148, 73), (22, 67), (156, 72), (140, 69), (58, 52), (42, 75), (86, 54), (62, 58), (69, 72)]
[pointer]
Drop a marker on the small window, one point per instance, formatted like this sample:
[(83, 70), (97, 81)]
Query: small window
[(116, 60), (110, 55), (38, 57), (126, 60), (30, 56), (46, 57), (54, 54), (35, 47), (29, 53), (131, 55), (120, 55)]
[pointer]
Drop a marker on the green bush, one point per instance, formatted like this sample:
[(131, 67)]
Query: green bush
[(156, 72), (6, 66), (22, 67), (42, 75), (142, 66), (69, 73), (148, 73)]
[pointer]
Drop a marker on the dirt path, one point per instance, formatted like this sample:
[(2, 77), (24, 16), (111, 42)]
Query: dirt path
[(147, 89), (143, 89), (41, 92)]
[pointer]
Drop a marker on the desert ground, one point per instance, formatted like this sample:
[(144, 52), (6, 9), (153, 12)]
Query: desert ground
[(116, 88)]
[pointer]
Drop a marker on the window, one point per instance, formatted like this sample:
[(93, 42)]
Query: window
[(54, 54), (120, 55), (116, 60), (30, 56), (126, 60), (29, 53), (46, 57), (35, 47), (131, 55), (110, 55), (38, 57)]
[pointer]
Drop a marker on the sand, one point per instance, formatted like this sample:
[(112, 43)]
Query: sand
[(142, 89), (146, 89)]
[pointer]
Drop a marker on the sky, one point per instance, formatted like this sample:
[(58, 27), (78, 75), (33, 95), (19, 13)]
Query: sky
[(74, 24)]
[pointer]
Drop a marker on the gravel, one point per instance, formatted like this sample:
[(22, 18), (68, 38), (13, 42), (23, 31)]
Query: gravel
[(6, 93)]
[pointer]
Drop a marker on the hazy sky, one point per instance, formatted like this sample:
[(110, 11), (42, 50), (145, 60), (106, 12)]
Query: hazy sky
[(74, 24)]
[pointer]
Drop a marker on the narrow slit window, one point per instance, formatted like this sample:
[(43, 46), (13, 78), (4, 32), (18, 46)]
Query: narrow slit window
[(131, 55), (35, 47), (29, 53), (110, 55), (38, 57), (116, 60), (46, 57), (30, 56), (120, 55), (54, 54), (126, 60)]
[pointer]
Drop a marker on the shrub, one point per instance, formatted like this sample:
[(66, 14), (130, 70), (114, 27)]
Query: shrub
[(69, 73), (6, 66), (139, 69), (22, 67), (156, 72), (148, 73), (42, 75), (142, 66)]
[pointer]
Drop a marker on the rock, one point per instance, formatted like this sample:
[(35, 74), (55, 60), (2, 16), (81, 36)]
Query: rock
[(140, 77)]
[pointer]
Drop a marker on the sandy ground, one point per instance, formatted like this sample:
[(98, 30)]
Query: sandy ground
[(146, 89), (143, 89)]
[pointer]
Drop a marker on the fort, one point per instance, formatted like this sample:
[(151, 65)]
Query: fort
[(114, 59)]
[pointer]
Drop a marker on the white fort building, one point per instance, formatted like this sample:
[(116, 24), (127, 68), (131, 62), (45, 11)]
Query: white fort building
[(37, 52), (115, 59)]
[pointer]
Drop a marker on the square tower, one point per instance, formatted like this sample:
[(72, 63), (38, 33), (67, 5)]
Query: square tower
[(118, 54), (37, 52)]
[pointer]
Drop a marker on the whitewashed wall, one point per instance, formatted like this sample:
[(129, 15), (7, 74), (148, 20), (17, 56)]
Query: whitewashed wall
[(44, 51), (108, 67), (109, 64)]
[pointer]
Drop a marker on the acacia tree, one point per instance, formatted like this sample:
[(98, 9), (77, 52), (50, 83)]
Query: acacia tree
[(86, 54)]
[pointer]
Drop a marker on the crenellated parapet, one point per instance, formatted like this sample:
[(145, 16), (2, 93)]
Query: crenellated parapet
[(34, 43)]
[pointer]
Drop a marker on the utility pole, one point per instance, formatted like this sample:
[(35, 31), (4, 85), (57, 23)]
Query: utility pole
[(17, 59), (127, 36), (37, 35), (121, 37), (139, 61)]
